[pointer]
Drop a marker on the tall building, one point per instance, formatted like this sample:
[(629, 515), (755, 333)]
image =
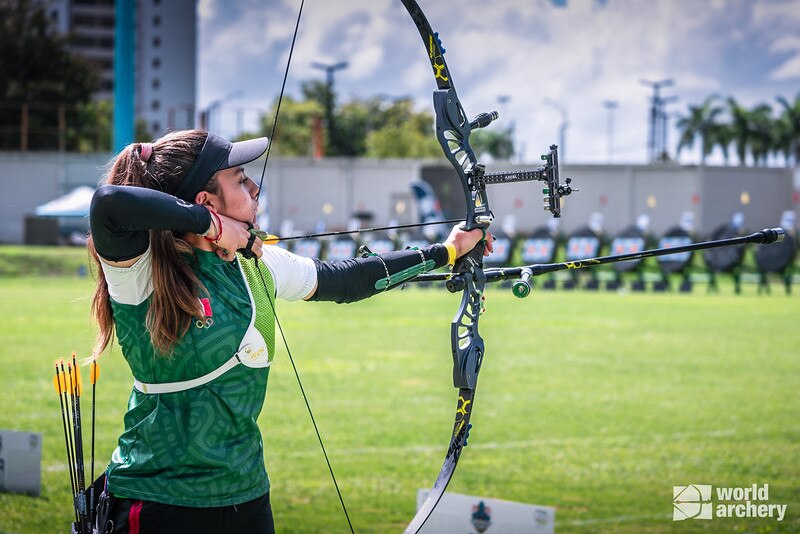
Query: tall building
[(166, 73), (166, 55), (91, 24)]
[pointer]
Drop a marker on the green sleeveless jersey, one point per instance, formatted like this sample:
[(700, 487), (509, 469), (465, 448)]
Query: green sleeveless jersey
[(199, 447)]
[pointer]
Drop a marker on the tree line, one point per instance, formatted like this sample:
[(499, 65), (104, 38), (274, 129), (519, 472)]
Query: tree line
[(45, 104), (373, 127), (754, 134), (45, 89)]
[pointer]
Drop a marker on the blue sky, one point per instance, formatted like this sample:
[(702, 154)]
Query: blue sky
[(577, 53)]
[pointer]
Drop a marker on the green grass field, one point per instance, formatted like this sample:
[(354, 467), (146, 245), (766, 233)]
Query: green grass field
[(596, 404)]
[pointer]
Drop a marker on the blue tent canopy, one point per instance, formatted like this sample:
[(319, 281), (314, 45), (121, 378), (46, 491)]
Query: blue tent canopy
[(74, 204)]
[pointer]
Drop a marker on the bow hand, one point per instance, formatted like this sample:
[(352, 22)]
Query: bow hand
[(466, 241)]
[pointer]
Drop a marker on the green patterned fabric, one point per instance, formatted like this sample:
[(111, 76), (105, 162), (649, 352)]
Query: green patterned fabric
[(258, 276), (201, 447)]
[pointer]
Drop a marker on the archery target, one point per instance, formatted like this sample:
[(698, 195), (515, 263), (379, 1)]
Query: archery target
[(777, 257), (309, 248), (503, 247), (382, 245), (724, 259), (341, 249), (583, 244), (540, 247), (675, 237), (629, 241)]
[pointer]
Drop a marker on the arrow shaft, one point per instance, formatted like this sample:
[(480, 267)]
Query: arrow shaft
[(364, 230)]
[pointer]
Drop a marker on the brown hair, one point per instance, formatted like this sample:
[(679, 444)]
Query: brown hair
[(176, 287)]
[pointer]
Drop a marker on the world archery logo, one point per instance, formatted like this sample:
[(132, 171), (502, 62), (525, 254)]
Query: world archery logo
[(481, 517), (691, 502), (694, 502)]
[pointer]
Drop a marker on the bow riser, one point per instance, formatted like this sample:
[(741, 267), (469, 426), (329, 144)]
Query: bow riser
[(465, 340), (452, 132)]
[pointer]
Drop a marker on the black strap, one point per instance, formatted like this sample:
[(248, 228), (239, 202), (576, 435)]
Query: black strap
[(247, 251)]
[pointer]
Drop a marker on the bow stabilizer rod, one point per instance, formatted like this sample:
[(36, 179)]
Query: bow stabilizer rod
[(523, 273)]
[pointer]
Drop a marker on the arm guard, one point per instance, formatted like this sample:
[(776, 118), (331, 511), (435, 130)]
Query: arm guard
[(360, 278), (121, 216)]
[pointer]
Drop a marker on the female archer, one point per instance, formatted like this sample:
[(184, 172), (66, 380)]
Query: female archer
[(195, 320)]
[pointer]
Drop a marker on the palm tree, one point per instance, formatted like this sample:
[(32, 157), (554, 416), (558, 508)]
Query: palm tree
[(763, 137), (790, 121), (701, 122), (723, 135), (740, 126)]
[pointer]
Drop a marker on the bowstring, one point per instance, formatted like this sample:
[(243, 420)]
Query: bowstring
[(305, 398), (264, 283), (280, 99)]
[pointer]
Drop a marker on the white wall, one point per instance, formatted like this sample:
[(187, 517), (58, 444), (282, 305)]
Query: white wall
[(28, 180), (300, 188)]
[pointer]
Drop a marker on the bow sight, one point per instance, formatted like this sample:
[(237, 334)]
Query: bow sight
[(453, 130), (547, 173)]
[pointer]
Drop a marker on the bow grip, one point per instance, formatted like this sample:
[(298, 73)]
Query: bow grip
[(471, 260)]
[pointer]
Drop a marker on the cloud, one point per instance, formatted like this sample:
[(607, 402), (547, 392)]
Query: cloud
[(780, 20), (580, 55), (206, 10), (790, 68)]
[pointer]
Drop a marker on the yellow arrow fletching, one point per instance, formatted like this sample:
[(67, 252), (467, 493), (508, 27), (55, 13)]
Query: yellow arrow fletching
[(77, 381), (68, 379), (56, 381), (94, 372), (265, 237)]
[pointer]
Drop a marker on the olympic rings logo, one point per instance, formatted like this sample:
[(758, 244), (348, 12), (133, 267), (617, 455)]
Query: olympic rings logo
[(208, 322)]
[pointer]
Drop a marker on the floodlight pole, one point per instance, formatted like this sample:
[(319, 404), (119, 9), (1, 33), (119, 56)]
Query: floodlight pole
[(610, 105), (329, 72), (562, 129), (655, 113)]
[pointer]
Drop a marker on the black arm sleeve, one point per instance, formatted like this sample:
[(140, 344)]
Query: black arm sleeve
[(352, 280), (120, 217)]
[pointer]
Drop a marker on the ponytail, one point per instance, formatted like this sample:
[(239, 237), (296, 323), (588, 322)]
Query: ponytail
[(173, 304)]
